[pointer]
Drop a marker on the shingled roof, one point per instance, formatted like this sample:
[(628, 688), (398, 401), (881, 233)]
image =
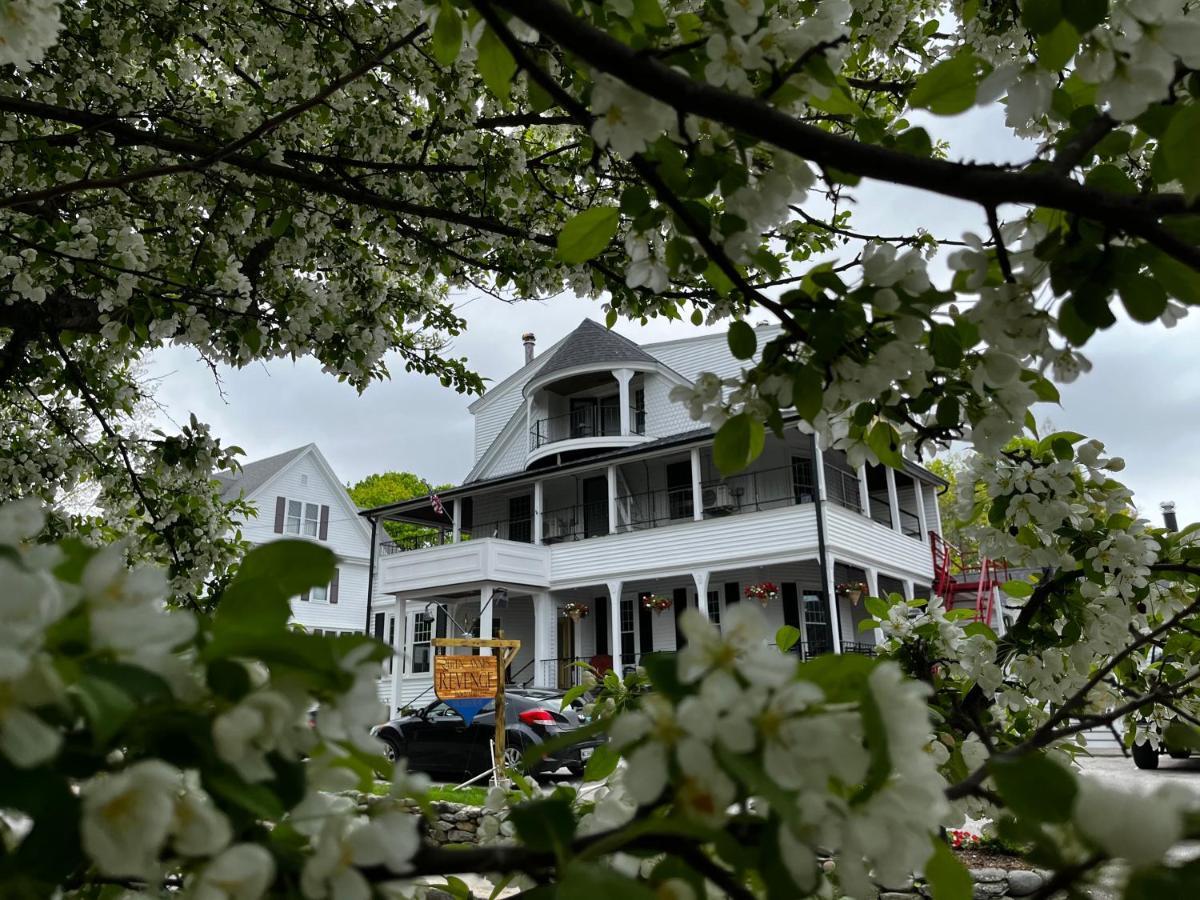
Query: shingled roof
[(592, 343), (255, 474)]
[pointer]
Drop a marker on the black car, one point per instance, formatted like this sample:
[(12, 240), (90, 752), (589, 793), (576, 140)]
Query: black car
[(437, 740)]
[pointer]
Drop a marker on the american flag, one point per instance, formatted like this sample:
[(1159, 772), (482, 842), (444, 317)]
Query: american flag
[(437, 504)]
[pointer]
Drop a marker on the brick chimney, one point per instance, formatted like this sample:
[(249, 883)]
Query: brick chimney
[(528, 339), (1168, 511)]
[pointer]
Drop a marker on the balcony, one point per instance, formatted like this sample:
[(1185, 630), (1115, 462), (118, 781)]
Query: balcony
[(586, 428)]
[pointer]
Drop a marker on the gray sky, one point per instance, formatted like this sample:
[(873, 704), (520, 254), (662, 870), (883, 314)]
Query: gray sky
[(1139, 399)]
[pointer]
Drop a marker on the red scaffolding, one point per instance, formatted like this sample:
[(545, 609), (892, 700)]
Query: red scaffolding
[(956, 577)]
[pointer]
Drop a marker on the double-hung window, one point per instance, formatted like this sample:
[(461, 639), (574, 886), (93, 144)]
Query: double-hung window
[(422, 634), (302, 518)]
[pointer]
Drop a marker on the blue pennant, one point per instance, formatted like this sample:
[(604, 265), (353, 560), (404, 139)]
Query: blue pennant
[(469, 708)]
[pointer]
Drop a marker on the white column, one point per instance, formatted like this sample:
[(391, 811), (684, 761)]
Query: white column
[(614, 623), (835, 612), (701, 579), (937, 511), (864, 496), (543, 622), (908, 588), (697, 491), (893, 500), (919, 495), (819, 468), (873, 591), (623, 377), (400, 638), (611, 475), (485, 616), (456, 534), (537, 512)]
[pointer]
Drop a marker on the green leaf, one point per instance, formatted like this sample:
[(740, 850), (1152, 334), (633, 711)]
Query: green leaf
[(948, 88), (1179, 735), (495, 64), (1181, 281), (572, 695), (1040, 16), (1144, 298), (257, 799), (1035, 787), (105, 705), (592, 881), (787, 637), (281, 224), (841, 676), (876, 739), (447, 35), (586, 235), (948, 878), (1085, 14), (884, 441), (649, 13), (877, 607), (545, 825), (1056, 48), (945, 343), (742, 340), (1179, 146), (602, 764), (808, 394), (1163, 882), (1017, 589), (738, 443)]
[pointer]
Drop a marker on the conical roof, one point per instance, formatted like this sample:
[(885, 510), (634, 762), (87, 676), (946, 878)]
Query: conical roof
[(592, 343)]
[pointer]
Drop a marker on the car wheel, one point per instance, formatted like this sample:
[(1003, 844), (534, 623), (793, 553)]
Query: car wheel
[(514, 756), (1145, 756), (391, 748)]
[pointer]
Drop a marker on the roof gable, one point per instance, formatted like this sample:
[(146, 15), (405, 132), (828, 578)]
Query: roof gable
[(592, 343)]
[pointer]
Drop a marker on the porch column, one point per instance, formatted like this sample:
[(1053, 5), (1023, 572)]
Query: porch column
[(623, 377), (873, 591), (819, 468), (919, 494), (908, 589), (399, 644), (537, 512), (456, 534), (864, 496), (614, 623), (893, 500), (543, 621), (611, 474), (835, 612), (697, 491), (485, 616), (937, 510), (701, 579)]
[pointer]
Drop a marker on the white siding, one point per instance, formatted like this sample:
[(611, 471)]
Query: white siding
[(490, 420), (855, 539), (708, 353), (664, 417), (305, 479)]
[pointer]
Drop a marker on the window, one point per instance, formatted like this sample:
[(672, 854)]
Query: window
[(714, 607), (422, 634), (803, 485), (302, 518), (319, 594), (627, 638), (639, 411), (520, 519)]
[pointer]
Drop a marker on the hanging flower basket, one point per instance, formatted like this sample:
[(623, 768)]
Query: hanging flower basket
[(764, 592), (657, 602), (575, 611), (853, 590)]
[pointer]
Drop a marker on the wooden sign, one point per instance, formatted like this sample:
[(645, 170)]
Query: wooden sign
[(464, 677)]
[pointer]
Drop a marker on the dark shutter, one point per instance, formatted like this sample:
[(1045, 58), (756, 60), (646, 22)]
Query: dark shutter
[(791, 604), (379, 619), (440, 624), (645, 626), (733, 593), (391, 643), (280, 507), (304, 596), (601, 626), (324, 523), (333, 587), (680, 600)]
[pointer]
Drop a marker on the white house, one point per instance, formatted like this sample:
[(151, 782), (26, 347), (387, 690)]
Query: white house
[(591, 487), (298, 496)]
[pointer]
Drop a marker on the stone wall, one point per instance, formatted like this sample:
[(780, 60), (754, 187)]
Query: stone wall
[(990, 884), (455, 823)]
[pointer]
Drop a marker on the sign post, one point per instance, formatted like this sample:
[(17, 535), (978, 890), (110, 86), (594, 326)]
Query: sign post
[(467, 683)]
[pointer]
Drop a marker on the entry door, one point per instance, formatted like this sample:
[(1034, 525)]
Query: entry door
[(595, 506), (566, 652), (583, 417)]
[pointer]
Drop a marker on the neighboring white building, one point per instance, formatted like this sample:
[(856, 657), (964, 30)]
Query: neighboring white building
[(298, 496), (591, 486)]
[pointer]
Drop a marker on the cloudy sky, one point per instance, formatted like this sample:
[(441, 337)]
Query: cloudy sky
[(1139, 399)]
